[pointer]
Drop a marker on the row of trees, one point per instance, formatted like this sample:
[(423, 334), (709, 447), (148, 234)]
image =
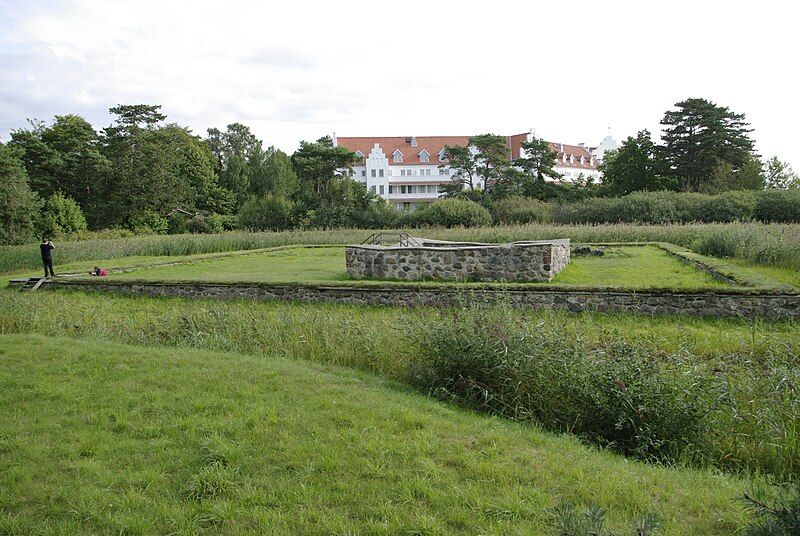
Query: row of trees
[(146, 175), (705, 148)]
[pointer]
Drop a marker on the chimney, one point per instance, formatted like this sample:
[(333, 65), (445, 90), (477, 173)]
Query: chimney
[(561, 147), (413, 141)]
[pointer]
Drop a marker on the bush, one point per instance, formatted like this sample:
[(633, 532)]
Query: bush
[(616, 395), (178, 223), (149, 222), (594, 210), (648, 207), (61, 216), (378, 215), (520, 210), (205, 224), (266, 213), (727, 207), (452, 213), (781, 206)]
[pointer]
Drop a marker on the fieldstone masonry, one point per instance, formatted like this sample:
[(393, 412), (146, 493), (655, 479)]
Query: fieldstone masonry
[(434, 259), (778, 306)]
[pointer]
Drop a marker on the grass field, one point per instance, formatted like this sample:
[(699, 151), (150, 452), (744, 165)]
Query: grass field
[(763, 244), (106, 438), (628, 267), (749, 428), (231, 416)]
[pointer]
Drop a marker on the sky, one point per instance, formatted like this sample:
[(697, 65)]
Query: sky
[(298, 70)]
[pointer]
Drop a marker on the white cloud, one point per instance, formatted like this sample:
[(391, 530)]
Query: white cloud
[(298, 70)]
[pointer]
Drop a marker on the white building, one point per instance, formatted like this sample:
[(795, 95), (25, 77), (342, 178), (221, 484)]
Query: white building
[(405, 170)]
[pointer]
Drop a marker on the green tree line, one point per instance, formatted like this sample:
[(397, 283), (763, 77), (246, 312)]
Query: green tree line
[(143, 174)]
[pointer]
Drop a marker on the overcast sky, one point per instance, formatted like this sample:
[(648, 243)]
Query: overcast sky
[(298, 70)]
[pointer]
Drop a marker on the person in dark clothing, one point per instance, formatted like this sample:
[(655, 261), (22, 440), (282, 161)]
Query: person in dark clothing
[(47, 248)]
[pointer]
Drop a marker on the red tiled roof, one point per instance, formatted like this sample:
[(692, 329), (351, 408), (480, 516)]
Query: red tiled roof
[(434, 144), (577, 151)]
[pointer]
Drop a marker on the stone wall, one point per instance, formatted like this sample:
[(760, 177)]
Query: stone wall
[(733, 304), (518, 261)]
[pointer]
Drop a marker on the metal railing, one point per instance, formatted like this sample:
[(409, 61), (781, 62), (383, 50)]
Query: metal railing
[(380, 239)]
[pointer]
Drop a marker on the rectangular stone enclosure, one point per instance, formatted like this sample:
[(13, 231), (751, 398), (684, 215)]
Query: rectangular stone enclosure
[(434, 259)]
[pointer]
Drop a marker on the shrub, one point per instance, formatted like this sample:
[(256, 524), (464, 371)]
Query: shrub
[(205, 224), (378, 215), (452, 213), (648, 207), (61, 216), (686, 204), (520, 210), (149, 222), (178, 223), (266, 213), (726, 207), (594, 210), (782, 206)]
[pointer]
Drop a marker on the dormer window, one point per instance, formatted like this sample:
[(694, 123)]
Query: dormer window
[(359, 155), (442, 155), (424, 156), (564, 157), (397, 156), (583, 161), (572, 159)]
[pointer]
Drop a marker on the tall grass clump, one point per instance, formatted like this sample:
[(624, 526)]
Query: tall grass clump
[(637, 400), (615, 395)]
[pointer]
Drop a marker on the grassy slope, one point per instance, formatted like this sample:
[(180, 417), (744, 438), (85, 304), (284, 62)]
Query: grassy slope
[(109, 438), (629, 267)]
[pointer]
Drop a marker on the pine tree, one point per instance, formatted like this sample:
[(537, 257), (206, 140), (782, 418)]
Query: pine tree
[(699, 136)]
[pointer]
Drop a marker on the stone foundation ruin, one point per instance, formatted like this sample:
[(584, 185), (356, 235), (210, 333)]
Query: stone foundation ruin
[(420, 258)]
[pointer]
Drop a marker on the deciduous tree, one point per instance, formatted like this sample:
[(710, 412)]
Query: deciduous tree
[(18, 203), (634, 167)]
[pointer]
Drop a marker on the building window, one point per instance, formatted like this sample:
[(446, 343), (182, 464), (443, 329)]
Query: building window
[(380, 173), (372, 188), (363, 172), (391, 189), (372, 173), (360, 155), (402, 188), (424, 156), (442, 156), (397, 156), (402, 172), (381, 189)]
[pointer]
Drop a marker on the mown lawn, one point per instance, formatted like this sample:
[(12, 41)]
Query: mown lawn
[(634, 267), (107, 438), (628, 267)]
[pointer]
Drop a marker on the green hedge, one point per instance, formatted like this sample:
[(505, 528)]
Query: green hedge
[(782, 206)]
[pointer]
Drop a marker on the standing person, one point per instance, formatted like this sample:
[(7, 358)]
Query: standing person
[(47, 248)]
